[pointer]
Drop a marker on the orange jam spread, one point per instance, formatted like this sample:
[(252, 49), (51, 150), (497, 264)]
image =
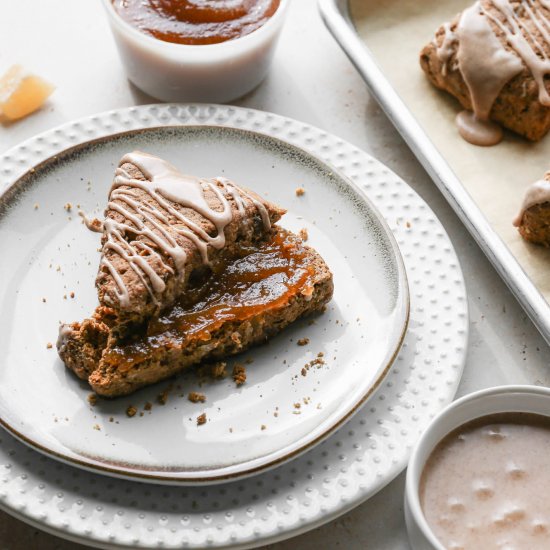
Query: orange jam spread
[(262, 279), (196, 21)]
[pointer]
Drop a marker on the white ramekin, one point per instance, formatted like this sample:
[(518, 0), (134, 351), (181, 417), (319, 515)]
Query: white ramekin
[(215, 73), (529, 399)]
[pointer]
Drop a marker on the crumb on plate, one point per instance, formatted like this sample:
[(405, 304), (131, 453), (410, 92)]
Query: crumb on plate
[(239, 374), (196, 397)]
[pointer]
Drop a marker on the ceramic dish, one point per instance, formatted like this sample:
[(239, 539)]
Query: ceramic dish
[(212, 72), (384, 45), (332, 478), (527, 399), (283, 409)]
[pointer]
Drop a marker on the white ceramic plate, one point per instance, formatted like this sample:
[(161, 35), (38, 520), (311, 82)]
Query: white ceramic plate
[(48, 254), (350, 466)]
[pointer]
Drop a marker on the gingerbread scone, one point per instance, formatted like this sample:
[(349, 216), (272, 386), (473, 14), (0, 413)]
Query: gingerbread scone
[(494, 58)]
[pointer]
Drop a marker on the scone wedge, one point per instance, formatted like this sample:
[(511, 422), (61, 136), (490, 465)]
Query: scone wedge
[(256, 295), (163, 229)]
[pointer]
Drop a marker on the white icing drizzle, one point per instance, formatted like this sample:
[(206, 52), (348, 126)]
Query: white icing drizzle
[(92, 224), (445, 51), (487, 65), (65, 332), (165, 185), (537, 193), (524, 42)]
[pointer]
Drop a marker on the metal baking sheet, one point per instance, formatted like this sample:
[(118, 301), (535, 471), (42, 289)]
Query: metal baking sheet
[(485, 186)]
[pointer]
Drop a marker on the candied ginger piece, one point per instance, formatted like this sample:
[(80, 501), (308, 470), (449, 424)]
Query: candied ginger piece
[(21, 93)]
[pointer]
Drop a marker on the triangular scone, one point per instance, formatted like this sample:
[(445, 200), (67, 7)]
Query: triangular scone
[(253, 298), (164, 231)]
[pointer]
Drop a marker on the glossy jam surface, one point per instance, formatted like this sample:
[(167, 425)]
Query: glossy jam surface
[(196, 21), (486, 484), (263, 279)]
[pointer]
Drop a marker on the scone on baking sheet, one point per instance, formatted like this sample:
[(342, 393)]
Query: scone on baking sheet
[(494, 57), (259, 280), (164, 230), (533, 220)]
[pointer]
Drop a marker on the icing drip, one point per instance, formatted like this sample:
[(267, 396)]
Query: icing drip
[(165, 185), (486, 67), (65, 332), (445, 51), (476, 131), (537, 193)]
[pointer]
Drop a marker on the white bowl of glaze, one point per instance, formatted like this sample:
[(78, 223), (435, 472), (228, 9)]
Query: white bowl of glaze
[(501, 399), (215, 73)]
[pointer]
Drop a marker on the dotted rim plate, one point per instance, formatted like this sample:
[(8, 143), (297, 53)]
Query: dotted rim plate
[(350, 466)]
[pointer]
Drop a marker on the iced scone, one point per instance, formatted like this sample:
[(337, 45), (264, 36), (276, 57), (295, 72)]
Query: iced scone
[(533, 220), (494, 57)]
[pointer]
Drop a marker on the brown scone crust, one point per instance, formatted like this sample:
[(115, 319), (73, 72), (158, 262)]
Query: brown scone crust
[(535, 224), (86, 346), (245, 229), (517, 107)]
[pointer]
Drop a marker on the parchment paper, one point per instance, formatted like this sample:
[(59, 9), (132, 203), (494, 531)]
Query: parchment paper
[(496, 177)]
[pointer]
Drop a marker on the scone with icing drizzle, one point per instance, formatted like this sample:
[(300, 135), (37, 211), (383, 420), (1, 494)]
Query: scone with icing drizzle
[(533, 219), (191, 270), (163, 229), (494, 58)]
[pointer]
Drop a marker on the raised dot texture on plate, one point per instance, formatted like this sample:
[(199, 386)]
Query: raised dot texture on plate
[(183, 510)]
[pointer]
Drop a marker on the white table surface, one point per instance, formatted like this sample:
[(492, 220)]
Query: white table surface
[(68, 42)]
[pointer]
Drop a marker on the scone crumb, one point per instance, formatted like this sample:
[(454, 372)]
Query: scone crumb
[(36, 206), (239, 374), (162, 397), (92, 399), (303, 341), (230, 430), (408, 225), (148, 406), (97, 427), (131, 411), (297, 405), (218, 369), (300, 191), (196, 397), (111, 419), (201, 419), (68, 206), (304, 371), (49, 345), (263, 426), (303, 234), (44, 300), (71, 294)]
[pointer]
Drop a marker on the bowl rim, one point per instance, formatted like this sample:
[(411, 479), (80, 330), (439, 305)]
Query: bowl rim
[(220, 47), (416, 465)]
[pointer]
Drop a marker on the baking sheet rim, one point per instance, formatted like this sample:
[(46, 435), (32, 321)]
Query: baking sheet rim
[(335, 14)]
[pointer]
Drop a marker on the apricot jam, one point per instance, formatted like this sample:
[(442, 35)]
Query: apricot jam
[(262, 279), (196, 21)]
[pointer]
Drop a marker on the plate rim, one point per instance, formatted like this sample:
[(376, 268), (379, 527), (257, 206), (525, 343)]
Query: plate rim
[(270, 534), (279, 456)]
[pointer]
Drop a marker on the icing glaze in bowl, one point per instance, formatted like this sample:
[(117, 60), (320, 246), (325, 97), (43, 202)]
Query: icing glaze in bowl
[(501, 399)]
